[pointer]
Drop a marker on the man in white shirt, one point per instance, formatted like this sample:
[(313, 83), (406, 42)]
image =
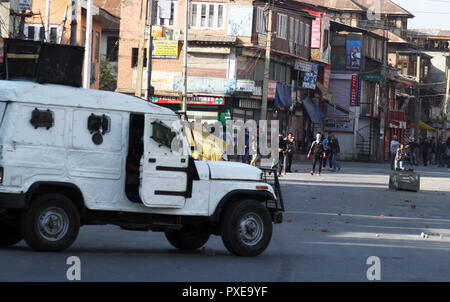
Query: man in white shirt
[(394, 147)]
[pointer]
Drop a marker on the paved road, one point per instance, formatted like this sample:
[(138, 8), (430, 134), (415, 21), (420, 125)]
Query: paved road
[(332, 225)]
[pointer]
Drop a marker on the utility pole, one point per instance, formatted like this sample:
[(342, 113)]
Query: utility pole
[(47, 21), (140, 62), (418, 99), (384, 76), (265, 93), (73, 23), (185, 46), (63, 25), (148, 92), (88, 47)]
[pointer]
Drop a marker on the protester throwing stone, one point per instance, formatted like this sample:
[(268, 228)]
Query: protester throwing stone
[(318, 152)]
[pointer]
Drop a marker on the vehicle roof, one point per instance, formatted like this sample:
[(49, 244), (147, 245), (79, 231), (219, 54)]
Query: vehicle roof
[(60, 95)]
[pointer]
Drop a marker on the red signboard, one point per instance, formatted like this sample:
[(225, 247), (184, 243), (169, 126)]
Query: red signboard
[(316, 35), (272, 89), (354, 91), (327, 76), (198, 100)]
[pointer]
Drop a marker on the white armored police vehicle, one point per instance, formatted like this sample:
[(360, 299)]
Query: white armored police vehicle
[(71, 157)]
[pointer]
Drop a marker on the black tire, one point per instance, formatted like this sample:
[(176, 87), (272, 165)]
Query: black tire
[(9, 233), (51, 223), (258, 223), (187, 240)]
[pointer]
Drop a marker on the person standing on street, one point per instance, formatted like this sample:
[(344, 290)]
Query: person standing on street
[(394, 146), (281, 151), (413, 152), (447, 153), (441, 151), (246, 154), (335, 150), (254, 151), (326, 146), (318, 153), (290, 150), (432, 151), (400, 156), (425, 146)]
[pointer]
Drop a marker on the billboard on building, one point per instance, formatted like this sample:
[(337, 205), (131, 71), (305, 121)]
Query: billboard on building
[(353, 55)]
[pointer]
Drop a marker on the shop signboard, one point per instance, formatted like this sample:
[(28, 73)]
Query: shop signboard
[(197, 100), (165, 49), (327, 76), (303, 66), (316, 32), (354, 91), (272, 89), (205, 85), (245, 86), (262, 40), (338, 124), (310, 79)]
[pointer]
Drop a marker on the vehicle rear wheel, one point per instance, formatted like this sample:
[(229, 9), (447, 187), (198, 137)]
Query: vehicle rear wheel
[(9, 233), (187, 240), (246, 228), (51, 224)]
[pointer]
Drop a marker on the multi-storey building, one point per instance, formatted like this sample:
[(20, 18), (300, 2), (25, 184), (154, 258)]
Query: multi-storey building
[(225, 58)]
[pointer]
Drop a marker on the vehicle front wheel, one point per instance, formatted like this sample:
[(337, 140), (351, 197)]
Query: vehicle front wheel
[(9, 233), (51, 224), (187, 240), (246, 228)]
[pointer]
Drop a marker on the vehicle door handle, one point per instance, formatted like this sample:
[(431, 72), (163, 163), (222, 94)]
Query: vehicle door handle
[(152, 160)]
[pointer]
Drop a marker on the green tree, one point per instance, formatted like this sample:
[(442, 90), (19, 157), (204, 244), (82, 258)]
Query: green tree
[(108, 75)]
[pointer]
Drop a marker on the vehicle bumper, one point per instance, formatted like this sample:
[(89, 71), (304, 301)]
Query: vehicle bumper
[(12, 201)]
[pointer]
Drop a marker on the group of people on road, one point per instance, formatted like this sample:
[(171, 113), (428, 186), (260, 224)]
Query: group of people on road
[(325, 150), (434, 152), (286, 150)]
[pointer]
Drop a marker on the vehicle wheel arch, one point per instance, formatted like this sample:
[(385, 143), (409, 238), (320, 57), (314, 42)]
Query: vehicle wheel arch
[(69, 190), (235, 196)]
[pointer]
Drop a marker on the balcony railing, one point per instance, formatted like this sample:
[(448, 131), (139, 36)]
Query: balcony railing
[(396, 115)]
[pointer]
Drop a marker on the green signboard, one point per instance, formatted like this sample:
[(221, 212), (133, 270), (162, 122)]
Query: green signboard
[(371, 77)]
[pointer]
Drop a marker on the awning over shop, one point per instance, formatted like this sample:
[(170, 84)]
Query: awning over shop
[(314, 112), (426, 126), (326, 93), (283, 97)]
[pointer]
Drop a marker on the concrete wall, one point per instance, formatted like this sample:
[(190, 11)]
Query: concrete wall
[(438, 69)]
